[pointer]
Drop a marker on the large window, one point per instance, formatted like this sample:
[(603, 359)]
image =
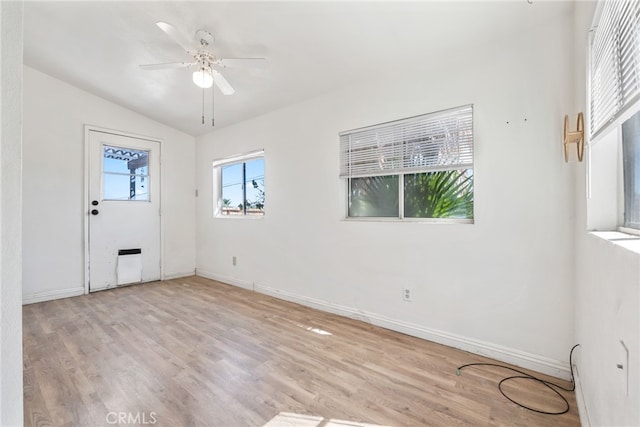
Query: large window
[(614, 101), (239, 185), (416, 168), (614, 63)]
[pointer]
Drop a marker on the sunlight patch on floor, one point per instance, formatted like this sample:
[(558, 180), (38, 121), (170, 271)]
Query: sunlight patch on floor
[(288, 419), (316, 330)]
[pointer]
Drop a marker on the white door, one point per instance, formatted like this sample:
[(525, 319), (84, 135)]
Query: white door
[(123, 210)]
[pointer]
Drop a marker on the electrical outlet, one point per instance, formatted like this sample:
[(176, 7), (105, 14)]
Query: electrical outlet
[(233, 260), (406, 294)]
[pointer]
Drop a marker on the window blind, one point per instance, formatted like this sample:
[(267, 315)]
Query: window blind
[(615, 62), (431, 142)]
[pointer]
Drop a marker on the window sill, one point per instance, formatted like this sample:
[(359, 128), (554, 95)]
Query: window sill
[(410, 220), (631, 242), (239, 217)]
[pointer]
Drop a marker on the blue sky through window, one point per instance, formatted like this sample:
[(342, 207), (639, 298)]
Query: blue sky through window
[(116, 178), (232, 181)]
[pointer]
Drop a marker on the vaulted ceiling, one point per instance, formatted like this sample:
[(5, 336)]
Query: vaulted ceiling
[(311, 47)]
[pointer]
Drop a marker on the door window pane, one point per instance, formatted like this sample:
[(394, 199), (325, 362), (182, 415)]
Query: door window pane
[(374, 196), (125, 174)]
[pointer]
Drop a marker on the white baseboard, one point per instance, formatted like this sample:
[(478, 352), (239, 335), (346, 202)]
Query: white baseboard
[(580, 402), (523, 359), (74, 292), (224, 279), (51, 295), (169, 276)]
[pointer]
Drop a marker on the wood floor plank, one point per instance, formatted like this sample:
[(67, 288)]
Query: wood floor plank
[(195, 352)]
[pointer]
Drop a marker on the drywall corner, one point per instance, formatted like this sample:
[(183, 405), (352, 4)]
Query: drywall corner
[(10, 213)]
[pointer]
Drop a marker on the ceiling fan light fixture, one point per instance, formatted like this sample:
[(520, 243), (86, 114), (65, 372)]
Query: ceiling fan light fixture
[(203, 78)]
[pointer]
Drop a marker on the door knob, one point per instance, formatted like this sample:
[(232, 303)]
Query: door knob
[(94, 212), (94, 203)]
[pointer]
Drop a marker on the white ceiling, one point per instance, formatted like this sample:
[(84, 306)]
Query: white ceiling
[(311, 47)]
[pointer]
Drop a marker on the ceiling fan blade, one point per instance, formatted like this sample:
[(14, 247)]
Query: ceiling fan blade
[(243, 62), (166, 65), (177, 36), (222, 83)]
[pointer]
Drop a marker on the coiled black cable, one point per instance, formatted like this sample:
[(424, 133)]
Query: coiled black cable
[(524, 375)]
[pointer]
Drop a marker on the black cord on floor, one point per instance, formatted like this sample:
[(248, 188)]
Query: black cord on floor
[(526, 376)]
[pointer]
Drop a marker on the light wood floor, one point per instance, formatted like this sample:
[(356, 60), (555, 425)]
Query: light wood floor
[(193, 352)]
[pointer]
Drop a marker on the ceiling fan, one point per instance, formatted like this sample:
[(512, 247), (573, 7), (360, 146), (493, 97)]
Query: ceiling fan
[(205, 62)]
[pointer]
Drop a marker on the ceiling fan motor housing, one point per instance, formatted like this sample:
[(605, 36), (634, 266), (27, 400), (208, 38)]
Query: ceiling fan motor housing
[(204, 37)]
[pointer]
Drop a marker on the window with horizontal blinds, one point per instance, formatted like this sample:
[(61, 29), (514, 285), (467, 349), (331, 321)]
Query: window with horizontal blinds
[(615, 62), (432, 142), (420, 168)]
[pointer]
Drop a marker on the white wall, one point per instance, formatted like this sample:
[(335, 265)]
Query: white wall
[(10, 214), (607, 288), (607, 312), (53, 186), (502, 286)]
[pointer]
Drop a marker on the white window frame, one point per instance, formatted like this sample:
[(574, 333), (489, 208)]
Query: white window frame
[(402, 167), (217, 166), (605, 187), (613, 70)]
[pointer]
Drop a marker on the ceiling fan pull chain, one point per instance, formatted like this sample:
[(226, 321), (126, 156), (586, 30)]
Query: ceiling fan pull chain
[(203, 105), (213, 89)]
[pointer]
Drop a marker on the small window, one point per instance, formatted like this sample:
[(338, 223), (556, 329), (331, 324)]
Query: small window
[(416, 168), (125, 174), (239, 186)]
